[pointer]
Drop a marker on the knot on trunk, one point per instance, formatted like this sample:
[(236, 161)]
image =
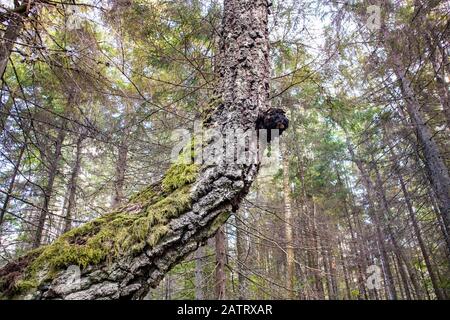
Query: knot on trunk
[(274, 118)]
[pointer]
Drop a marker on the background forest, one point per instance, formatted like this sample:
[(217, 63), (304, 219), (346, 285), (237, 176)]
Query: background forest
[(355, 203)]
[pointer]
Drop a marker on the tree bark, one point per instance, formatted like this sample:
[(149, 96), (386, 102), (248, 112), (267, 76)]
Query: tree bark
[(221, 256), (217, 190), (241, 245)]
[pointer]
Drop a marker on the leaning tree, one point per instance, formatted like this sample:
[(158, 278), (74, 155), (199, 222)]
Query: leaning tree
[(128, 251)]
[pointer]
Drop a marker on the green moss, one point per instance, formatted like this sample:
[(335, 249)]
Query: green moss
[(25, 285), (148, 194), (116, 233), (218, 222), (179, 175), (158, 232), (170, 206), (149, 229)]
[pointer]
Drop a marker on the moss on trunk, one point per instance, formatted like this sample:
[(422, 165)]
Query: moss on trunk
[(141, 222)]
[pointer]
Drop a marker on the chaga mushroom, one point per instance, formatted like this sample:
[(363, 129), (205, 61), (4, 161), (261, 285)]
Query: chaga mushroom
[(274, 118)]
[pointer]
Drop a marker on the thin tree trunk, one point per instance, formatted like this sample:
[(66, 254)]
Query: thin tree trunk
[(402, 279), (326, 267), (344, 268), (386, 209), (315, 254), (417, 232), (199, 269), (121, 166), (381, 238), (5, 111), (11, 186), (221, 256), (391, 293), (288, 229), (168, 287), (73, 185), (241, 245), (10, 36), (367, 255), (358, 249), (438, 171), (48, 189), (332, 266)]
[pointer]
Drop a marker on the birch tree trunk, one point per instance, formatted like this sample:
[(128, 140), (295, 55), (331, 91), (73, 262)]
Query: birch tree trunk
[(125, 253)]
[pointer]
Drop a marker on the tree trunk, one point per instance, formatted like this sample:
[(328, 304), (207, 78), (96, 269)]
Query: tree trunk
[(326, 267), (315, 254), (241, 245), (417, 232), (344, 269), (401, 279), (73, 185), (390, 288), (434, 45), (128, 251), (221, 256), (396, 247), (438, 172), (288, 229), (121, 164), (357, 248), (199, 269), (5, 110), (12, 182), (48, 189), (9, 39)]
